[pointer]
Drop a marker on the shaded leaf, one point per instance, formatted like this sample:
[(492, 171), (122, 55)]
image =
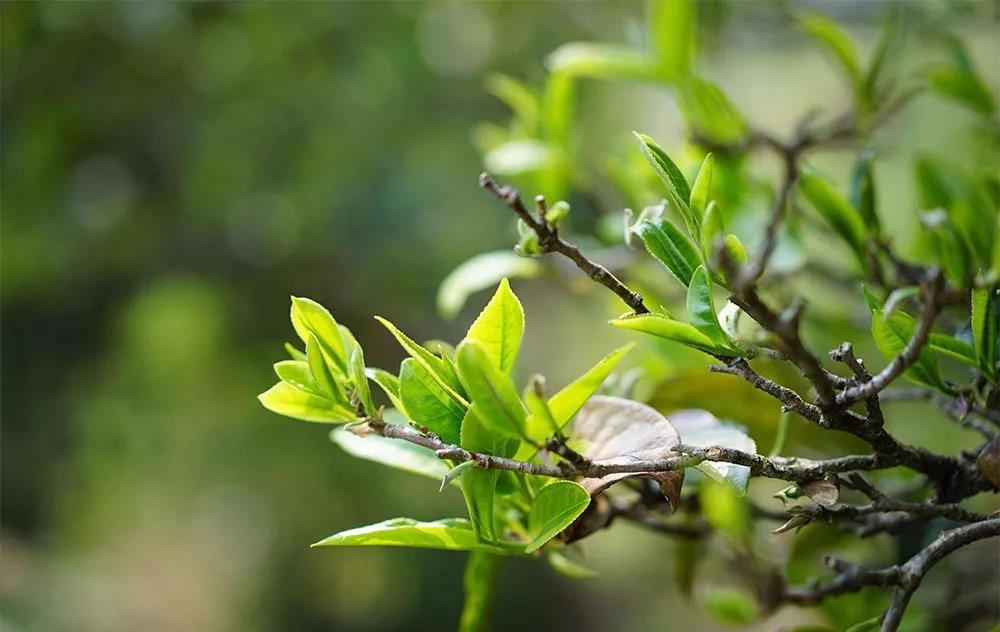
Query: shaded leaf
[(479, 486), (731, 605), (396, 453), (388, 382), (701, 192), (985, 326), (670, 246), (837, 211), (701, 311), (570, 567), (426, 402), (479, 583), (823, 492), (838, 44), (709, 112), (891, 336)]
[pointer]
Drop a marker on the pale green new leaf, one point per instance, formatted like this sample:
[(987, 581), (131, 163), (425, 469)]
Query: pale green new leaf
[(678, 191), (670, 246), (539, 414), (361, 388), (451, 534), (426, 402), (479, 486), (701, 192), (712, 228), (296, 373), (667, 328), (294, 353), (438, 368), (285, 399), (554, 508), (951, 346), (479, 273), (570, 567), (388, 382), (491, 390), (396, 453), (499, 328), (308, 316)]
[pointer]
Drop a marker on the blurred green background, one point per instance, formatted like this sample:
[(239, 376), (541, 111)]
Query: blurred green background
[(173, 171)]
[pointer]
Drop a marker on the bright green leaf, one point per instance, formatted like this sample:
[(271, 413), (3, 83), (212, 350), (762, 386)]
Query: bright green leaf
[(499, 328), (836, 210), (701, 193), (452, 534), (308, 316), (600, 61), (426, 402), (951, 346), (678, 191), (290, 401), (438, 368), (985, 324), (554, 508), (361, 388), (296, 373), (388, 382), (669, 329), (732, 605), (673, 31), (891, 336), (491, 390)]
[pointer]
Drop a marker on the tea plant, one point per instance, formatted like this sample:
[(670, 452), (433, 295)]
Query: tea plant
[(542, 469)]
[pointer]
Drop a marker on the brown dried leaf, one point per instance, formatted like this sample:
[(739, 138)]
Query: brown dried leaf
[(822, 492), (620, 431)]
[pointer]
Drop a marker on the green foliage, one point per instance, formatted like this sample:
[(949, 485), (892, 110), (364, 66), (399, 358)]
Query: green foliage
[(452, 534), (554, 508)]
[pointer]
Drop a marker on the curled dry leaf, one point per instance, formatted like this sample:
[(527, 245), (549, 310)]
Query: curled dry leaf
[(620, 431), (823, 492), (989, 462)]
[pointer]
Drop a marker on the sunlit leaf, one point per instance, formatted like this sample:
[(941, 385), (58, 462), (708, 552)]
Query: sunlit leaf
[(673, 32), (290, 401), (492, 391), (297, 374), (668, 329), (389, 384), (478, 273), (361, 388), (308, 316), (608, 61), (701, 192), (554, 508), (452, 534), (678, 190), (438, 368), (499, 328)]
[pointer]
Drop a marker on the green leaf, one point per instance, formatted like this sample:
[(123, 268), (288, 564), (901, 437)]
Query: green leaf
[(951, 346), (396, 453), (479, 486), (499, 328), (725, 510), (438, 368), (519, 156), (711, 228), (479, 583), (891, 336), (701, 311), (863, 192), (670, 246), (678, 191), (732, 605), (669, 329), (296, 373), (322, 370), (456, 473), (491, 390), (701, 193), (285, 399), (884, 59), (735, 249), (361, 388), (555, 507), (781, 436), (479, 273), (308, 316), (673, 31), (838, 44), (518, 97), (539, 414), (701, 428), (568, 401), (294, 353), (451, 534), (837, 211), (709, 112), (601, 61), (985, 324), (570, 567), (426, 402), (389, 384), (963, 87)]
